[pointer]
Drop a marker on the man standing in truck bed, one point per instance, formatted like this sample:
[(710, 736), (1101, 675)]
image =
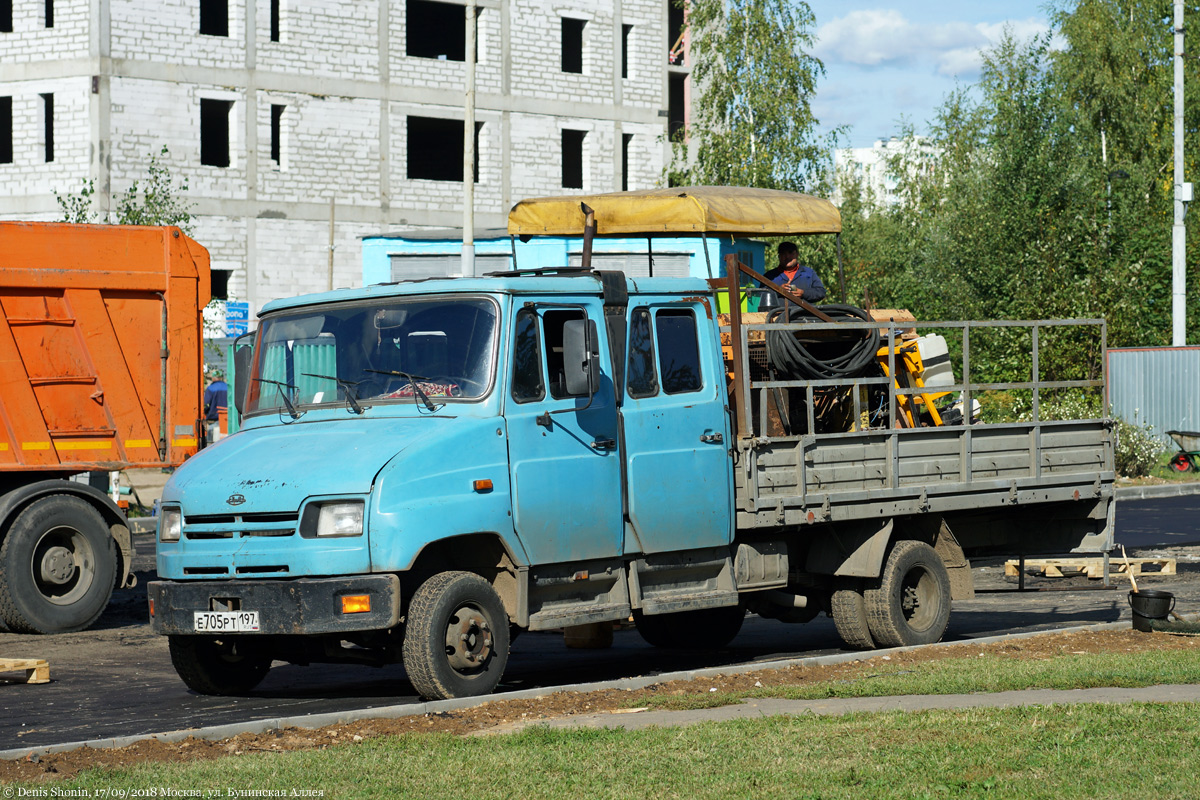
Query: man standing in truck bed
[(802, 280)]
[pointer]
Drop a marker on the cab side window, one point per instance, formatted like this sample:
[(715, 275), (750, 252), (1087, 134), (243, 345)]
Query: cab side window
[(642, 380), (527, 383), (678, 350), (553, 321)]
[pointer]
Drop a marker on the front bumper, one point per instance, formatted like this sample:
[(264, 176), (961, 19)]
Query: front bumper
[(297, 607)]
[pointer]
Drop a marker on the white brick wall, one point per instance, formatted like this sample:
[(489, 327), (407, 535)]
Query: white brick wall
[(31, 40), (29, 173), (168, 32), (326, 38), (325, 71)]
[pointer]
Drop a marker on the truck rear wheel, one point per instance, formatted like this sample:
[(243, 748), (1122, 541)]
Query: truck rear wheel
[(849, 611), (228, 666), (58, 565), (912, 603), (706, 629), (455, 637)]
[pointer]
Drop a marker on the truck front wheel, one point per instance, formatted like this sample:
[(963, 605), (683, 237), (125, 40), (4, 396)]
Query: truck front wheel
[(455, 637), (228, 666), (912, 602), (706, 629), (58, 564)]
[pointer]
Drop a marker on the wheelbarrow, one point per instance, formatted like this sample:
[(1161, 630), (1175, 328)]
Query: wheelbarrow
[(1188, 457)]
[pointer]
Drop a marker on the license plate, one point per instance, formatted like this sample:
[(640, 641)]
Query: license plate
[(226, 621)]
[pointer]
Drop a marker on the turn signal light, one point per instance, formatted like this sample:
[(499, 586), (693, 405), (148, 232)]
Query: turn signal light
[(152, 606), (356, 603), (483, 486)]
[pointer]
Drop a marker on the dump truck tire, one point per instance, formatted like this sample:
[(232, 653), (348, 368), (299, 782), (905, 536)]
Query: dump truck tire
[(848, 608), (706, 629), (912, 602), (58, 565), (456, 637), (221, 666)]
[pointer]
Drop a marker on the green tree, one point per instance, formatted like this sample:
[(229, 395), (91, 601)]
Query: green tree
[(155, 200), (752, 123)]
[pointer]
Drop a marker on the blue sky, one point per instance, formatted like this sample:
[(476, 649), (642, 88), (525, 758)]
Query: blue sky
[(890, 58)]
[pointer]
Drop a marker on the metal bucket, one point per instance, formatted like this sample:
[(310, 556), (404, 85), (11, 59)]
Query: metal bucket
[(1150, 604)]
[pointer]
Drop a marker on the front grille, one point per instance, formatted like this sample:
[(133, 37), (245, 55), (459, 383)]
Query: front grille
[(261, 517)]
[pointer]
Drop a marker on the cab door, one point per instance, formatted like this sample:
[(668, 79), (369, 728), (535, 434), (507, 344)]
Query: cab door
[(564, 464), (680, 475)]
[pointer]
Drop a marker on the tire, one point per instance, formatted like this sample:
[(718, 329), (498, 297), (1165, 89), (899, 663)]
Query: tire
[(1180, 462), (706, 629), (58, 565), (227, 666), (456, 637), (849, 611), (912, 603)]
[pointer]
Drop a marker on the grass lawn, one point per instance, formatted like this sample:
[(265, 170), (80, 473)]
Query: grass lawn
[(1117, 751)]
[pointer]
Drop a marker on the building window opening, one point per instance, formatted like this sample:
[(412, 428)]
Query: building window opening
[(572, 45), (437, 30), (276, 12), (49, 13), (214, 17), (48, 122), (277, 135), (435, 149), (6, 131), (572, 159), (675, 29), (6, 16), (676, 105), (626, 37), (214, 132), (218, 282), (626, 144)]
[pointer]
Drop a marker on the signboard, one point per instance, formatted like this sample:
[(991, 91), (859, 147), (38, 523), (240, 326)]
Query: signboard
[(237, 317)]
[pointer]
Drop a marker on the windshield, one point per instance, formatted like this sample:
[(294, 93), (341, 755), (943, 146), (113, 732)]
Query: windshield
[(426, 350)]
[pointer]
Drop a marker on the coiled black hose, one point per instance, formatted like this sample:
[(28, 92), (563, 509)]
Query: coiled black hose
[(849, 357)]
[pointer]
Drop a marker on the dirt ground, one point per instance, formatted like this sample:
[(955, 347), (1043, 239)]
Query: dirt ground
[(565, 704)]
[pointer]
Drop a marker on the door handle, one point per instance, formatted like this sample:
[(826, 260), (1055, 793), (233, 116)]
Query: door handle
[(604, 444), (712, 438)]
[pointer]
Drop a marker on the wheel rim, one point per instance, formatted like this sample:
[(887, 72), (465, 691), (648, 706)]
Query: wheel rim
[(63, 565), (1180, 463), (919, 598), (468, 640)]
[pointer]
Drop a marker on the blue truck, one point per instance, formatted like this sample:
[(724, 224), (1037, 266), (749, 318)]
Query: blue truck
[(425, 469)]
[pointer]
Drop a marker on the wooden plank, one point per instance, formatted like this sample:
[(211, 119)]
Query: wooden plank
[(1092, 567), (36, 670)]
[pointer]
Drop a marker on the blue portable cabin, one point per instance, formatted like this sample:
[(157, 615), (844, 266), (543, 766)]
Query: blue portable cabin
[(437, 253)]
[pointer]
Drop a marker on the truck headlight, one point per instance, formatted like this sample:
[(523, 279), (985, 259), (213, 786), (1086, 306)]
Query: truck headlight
[(170, 525), (340, 519)]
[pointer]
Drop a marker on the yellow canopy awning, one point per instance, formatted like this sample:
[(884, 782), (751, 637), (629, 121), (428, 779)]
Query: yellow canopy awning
[(679, 210)]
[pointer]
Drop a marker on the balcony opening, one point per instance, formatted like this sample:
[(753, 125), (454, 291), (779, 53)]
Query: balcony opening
[(626, 37), (276, 13), (214, 17), (437, 30), (676, 106), (675, 28), (214, 132), (435, 149), (277, 135), (6, 131), (48, 125), (572, 45), (626, 145), (572, 158)]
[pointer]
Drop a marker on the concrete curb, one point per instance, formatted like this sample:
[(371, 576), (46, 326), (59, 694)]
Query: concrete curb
[(416, 709), (1152, 492)]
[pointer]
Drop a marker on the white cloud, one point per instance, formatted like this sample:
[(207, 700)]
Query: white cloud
[(885, 36)]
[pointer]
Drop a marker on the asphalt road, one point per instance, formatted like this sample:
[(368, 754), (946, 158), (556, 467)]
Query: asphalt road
[(116, 679)]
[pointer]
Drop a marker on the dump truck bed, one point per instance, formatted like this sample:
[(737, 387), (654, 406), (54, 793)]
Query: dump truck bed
[(100, 342)]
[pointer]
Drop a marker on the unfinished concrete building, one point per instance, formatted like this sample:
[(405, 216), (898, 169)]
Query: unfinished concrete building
[(283, 114)]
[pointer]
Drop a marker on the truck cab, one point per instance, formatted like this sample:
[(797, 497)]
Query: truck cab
[(398, 435)]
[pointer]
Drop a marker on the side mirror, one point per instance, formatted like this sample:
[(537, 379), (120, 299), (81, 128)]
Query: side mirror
[(243, 357), (581, 363)]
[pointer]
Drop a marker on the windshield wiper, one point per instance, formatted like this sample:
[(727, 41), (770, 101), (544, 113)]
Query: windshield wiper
[(412, 380), (280, 385), (351, 396)]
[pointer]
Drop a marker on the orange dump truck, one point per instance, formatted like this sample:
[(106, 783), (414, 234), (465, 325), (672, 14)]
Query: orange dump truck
[(100, 370)]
